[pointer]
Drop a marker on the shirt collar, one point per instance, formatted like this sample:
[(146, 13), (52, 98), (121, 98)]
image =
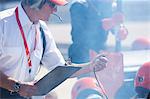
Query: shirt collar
[(24, 19)]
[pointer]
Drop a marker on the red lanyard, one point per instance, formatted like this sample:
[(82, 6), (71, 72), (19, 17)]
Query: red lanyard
[(24, 39)]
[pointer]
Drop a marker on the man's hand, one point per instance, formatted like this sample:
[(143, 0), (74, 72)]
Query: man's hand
[(109, 23), (99, 62), (27, 89), (118, 18)]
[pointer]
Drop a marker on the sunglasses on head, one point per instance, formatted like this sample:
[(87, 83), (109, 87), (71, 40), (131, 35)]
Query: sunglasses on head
[(54, 6)]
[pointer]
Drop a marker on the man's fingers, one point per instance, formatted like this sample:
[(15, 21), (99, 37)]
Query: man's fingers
[(101, 59), (100, 62)]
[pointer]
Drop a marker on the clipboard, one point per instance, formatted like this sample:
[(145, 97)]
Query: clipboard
[(54, 78)]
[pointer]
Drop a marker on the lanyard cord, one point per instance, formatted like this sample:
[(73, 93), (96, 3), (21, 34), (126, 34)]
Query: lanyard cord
[(24, 40), (100, 86)]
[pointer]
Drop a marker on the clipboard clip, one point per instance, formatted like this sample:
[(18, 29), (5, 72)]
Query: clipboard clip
[(68, 62)]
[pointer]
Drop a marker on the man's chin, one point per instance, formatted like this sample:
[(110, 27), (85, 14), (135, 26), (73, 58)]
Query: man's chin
[(46, 20)]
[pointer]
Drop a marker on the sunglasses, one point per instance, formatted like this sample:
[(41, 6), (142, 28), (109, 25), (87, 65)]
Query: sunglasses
[(52, 5)]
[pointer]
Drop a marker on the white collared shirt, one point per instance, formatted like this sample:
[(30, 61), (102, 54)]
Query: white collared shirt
[(13, 59)]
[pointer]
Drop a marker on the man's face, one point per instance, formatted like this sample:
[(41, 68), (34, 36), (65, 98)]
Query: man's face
[(45, 12)]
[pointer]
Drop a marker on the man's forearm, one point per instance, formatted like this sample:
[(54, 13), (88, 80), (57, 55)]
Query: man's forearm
[(6, 82), (85, 69)]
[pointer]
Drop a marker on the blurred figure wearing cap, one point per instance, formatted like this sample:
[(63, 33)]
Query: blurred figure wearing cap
[(141, 43), (25, 43), (88, 88), (91, 22), (142, 81)]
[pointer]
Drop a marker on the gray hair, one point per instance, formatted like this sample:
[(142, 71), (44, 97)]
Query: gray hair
[(37, 4)]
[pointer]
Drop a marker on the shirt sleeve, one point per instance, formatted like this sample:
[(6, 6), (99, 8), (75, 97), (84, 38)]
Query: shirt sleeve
[(52, 56)]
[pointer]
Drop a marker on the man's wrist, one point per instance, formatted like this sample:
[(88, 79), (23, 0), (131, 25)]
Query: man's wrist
[(91, 67), (14, 86), (88, 67)]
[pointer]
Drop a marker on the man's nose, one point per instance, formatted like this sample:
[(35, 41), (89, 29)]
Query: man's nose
[(54, 9)]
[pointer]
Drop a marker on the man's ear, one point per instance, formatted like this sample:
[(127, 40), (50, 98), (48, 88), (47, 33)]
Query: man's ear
[(92, 54)]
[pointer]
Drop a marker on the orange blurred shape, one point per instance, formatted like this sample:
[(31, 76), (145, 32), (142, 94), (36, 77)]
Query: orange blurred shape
[(84, 87), (142, 79), (141, 43)]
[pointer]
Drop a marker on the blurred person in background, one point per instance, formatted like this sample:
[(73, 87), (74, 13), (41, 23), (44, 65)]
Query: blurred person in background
[(91, 21), (25, 43), (88, 88), (142, 82)]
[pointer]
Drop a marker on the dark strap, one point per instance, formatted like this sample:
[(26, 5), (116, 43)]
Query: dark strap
[(44, 41)]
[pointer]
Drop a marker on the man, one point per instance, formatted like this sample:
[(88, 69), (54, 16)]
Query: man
[(25, 42), (91, 21)]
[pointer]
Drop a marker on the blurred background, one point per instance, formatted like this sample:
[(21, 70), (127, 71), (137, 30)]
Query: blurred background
[(137, 21)]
